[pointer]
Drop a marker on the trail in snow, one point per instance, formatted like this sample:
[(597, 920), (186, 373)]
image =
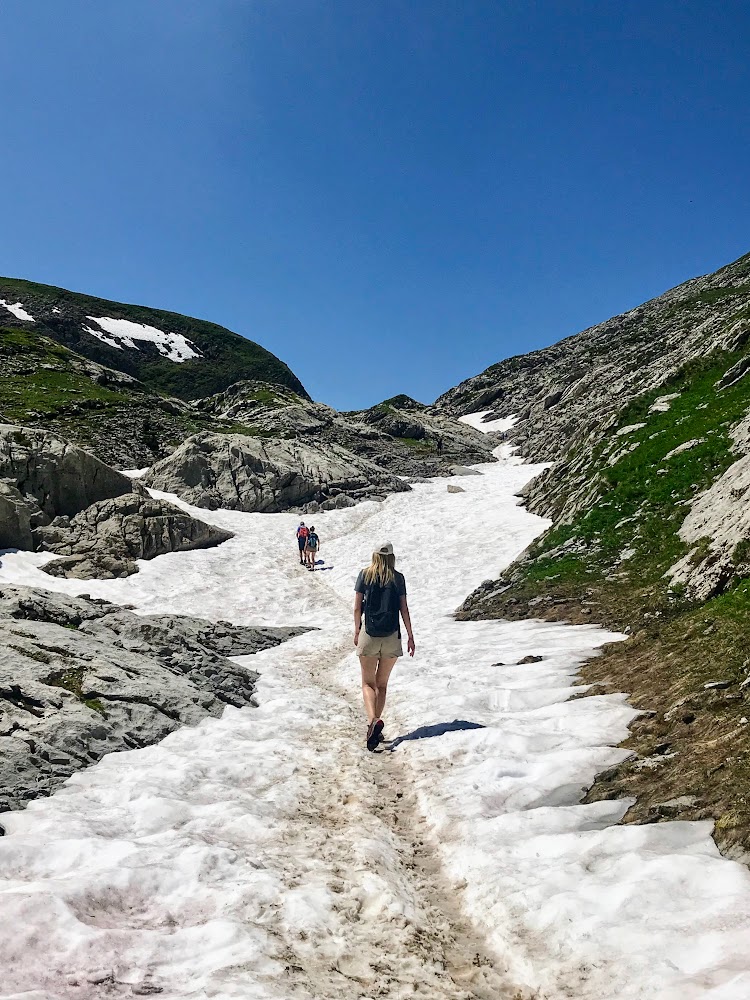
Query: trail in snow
[(266, 854)]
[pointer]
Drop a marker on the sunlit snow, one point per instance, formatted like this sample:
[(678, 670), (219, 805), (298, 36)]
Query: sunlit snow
[(256, 855), (122, 333), (18, 311), (477, 420)]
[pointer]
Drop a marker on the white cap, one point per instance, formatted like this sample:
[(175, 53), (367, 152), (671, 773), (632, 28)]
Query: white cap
[(386, 549)]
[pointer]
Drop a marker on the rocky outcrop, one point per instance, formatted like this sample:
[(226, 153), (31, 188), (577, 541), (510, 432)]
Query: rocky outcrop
[(717, 529), (17, 518), (245, 473), (58, 477), (106, 539), (56, 497), (400, 436), (80, 678)]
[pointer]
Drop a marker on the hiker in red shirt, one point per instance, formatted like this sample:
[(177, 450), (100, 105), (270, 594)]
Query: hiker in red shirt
[(302, 533)]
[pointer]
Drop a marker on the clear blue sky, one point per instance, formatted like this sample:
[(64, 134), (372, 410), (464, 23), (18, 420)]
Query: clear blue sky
[(389, 194)]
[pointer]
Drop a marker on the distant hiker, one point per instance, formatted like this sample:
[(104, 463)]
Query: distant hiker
[(302, 533), (381, 593), (439, 445), (312, 548)]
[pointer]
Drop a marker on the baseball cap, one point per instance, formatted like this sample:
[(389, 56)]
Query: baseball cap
[(386, 549)]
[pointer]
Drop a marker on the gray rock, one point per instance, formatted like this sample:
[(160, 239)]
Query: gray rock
[(15, 519), (104, 540), (80, 678), (464, 470), (455, 489), (718, 525), (60, 477), (400, 435), (239, 472)]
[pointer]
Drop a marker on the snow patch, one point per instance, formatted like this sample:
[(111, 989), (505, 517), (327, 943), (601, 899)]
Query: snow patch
[(121, 333), (477, 421), (18, 311)]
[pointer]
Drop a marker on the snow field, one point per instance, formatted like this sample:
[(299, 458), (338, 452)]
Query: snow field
[(17, 310), (121, 333), (266, 854)]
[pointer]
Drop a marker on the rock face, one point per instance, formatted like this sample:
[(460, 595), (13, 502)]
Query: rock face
[(105, 539), (80, 678), (717, 529), (16, 516), (238, 472), (58, 476)]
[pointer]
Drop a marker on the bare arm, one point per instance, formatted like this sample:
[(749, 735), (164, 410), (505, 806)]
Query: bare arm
[(357, 617), (404, 608)]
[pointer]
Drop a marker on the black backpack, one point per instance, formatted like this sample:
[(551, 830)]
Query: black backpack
[(381, 609)]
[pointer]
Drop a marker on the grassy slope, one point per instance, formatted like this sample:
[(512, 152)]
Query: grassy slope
[(227, 357), (693, 741), (46, 384)]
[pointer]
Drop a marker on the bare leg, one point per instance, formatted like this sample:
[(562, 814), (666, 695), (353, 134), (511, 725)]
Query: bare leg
[(382, 674), (369, 666)]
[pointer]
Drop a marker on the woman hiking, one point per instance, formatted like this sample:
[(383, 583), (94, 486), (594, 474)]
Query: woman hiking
[(380, 592)]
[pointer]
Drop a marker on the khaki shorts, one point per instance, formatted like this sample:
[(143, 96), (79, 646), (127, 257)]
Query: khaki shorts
[(384, 646)]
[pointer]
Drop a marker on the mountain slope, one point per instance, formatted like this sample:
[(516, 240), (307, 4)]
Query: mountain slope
[(645, 418), (166, 351), (563, 392)]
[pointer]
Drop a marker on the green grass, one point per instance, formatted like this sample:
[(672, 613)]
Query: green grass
[(72, 680), (641, 506), (418, 444)]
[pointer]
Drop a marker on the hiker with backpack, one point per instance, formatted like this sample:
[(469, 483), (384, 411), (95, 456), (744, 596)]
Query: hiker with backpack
[(380, 593), (302, 533), (312, 548)]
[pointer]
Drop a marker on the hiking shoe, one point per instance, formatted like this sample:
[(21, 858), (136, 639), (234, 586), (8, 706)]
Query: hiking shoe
[(374, 736)]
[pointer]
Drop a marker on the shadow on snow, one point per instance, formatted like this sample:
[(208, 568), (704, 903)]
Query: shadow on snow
[(438, 729)]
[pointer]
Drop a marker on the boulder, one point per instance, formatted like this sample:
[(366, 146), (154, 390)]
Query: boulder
[(455, 489), (104, 540), (240, 472), (16, 515), (80, 678), (60, 477)]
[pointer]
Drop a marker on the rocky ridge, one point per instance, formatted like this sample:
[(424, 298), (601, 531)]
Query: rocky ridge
[(307, 456), (80, 678)]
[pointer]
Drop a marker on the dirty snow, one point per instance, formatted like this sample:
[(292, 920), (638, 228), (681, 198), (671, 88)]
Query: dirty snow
[(121, 333), (18, 311), (266, 854)]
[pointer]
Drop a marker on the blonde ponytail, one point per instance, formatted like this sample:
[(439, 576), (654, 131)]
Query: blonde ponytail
[(381, 569)]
